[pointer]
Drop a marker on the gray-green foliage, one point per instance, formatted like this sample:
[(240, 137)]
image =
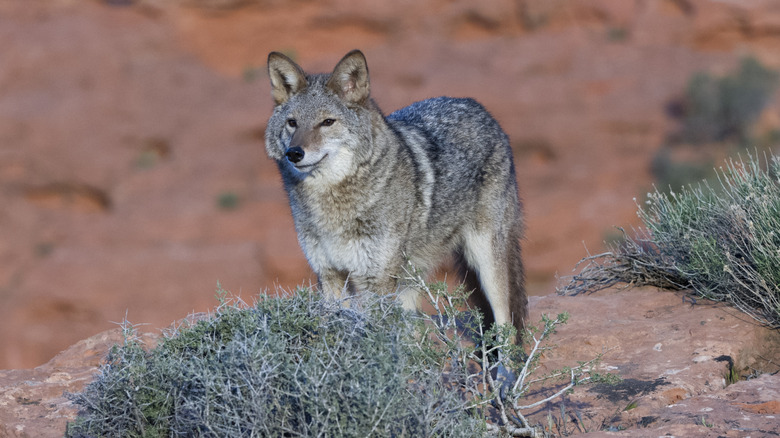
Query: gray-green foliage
[(497, 376), (304, 365), (716, 115), (294, 366), (722, 242), (725, 108)]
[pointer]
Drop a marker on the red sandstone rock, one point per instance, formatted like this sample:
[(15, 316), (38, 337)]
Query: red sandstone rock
[(674, 358), (122, 128), (33, 402)]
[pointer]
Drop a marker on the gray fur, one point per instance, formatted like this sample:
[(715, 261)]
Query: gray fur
[(370, 193)]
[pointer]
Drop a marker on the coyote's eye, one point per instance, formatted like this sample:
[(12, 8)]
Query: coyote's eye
[(328, 122), (292, 123)]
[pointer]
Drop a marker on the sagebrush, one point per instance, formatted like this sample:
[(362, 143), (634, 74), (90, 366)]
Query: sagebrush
[(722, 242), (716, 116), (718, 109), (296, 366), (303, 365)]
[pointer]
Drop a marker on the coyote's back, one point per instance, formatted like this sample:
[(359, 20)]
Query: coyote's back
[(371, 195)]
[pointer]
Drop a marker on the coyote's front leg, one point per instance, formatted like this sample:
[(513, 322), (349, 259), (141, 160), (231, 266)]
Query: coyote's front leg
[(334, 284)]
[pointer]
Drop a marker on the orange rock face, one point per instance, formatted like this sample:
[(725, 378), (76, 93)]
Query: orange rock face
[(132, 171)]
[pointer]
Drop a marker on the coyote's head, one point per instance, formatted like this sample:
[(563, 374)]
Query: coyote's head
[(321, 124)]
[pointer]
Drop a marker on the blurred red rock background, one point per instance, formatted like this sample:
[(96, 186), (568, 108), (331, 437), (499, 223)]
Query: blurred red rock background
[(133, 176)]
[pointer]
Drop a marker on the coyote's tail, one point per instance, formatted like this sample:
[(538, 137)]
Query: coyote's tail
[(518, 300)]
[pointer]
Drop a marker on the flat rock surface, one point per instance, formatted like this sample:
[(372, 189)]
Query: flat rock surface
[(674, 359), (33, 402)]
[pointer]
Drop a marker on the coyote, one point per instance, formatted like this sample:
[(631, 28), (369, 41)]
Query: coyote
[(371, 195)]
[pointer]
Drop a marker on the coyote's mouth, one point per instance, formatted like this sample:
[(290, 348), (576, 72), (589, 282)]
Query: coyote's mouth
[(309, 167)]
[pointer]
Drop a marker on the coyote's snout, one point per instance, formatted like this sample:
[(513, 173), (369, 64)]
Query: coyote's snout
[(370, 194)]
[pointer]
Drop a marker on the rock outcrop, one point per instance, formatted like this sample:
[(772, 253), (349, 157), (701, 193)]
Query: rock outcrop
[(688, 369), (33, 402), (132, 171), (132, 176)]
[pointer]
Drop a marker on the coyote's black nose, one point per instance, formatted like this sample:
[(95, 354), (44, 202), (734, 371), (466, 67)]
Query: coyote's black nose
[(294, 154)]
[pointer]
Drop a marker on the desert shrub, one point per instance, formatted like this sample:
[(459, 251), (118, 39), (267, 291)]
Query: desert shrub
[(716, 117), (717, 109), (295, 366), (721, 242), (303, 365)]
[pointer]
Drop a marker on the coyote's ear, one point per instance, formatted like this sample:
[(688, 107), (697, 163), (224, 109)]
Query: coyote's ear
[(350, 78), (287, 78)]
